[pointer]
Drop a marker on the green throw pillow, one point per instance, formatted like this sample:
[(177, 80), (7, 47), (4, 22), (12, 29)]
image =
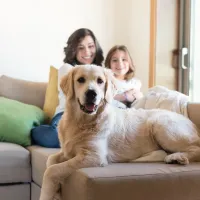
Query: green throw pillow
[(16, 121)]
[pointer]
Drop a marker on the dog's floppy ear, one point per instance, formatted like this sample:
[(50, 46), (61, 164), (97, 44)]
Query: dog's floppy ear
[(110, 89), (66, 84)]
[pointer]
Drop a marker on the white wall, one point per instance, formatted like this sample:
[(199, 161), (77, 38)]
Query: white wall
[(34, 32), (132, 28)]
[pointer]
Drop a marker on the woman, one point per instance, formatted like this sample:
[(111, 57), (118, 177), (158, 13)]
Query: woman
[(82, 48)]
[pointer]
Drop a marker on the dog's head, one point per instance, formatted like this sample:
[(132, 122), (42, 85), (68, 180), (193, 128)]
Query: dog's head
[(88, 86)]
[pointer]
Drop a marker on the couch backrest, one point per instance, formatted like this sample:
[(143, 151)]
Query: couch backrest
[(25, 91)]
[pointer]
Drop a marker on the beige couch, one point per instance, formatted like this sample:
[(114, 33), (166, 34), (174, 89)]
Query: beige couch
[(21, 170)]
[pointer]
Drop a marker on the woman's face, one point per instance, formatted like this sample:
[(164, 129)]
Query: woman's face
[(86, 50), (119, 64)]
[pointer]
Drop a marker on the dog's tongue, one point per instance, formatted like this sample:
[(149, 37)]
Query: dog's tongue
[(90, 107)]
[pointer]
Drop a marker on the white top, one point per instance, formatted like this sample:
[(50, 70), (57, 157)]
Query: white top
[(61, 97), (125, 85)]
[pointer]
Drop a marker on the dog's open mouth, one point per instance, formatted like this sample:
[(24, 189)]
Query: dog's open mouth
[(88, 107)]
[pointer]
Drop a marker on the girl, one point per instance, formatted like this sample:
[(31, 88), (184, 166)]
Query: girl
[(128, 87), (82, 48)]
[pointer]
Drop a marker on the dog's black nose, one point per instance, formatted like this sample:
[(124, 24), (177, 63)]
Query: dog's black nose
[(91, 95)]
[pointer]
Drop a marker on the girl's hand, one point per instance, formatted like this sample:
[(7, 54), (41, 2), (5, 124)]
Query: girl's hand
[(138, 95), (129, 96), (132, 95)]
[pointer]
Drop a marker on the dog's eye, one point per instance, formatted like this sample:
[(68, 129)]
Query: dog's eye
[(99, 81), (81, 80)]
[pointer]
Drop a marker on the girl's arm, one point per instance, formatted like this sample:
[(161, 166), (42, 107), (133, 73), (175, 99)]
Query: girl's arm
[(135, 93), (121, 97), (131, 94)]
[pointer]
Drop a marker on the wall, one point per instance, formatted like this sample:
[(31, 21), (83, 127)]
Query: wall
[(132, 28), (166, 42), (34, 32)]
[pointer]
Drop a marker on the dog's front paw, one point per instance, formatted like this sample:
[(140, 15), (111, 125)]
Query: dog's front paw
[(57, 196), (179, 158), (52, 160), (49, 163), (103, 164)]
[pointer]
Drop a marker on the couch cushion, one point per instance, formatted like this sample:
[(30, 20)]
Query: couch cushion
[(35, 191), (25, 91), (17, 119), (15, 164), (39, 157), (140, 181), (15, 192), (51, 97), (152, 181)]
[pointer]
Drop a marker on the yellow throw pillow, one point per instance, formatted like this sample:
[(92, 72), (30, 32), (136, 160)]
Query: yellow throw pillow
[(51, 97)]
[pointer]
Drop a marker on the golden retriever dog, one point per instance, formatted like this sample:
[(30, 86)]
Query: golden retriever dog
[(93, 133)]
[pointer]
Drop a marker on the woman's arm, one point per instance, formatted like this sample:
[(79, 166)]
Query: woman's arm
[(63, 71)]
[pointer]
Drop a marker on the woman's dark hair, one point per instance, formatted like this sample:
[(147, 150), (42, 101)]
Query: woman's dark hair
[(71, 49), (131, 73)]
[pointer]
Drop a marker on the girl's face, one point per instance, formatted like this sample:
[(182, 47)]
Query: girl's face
[(86, 50), (119, 64)]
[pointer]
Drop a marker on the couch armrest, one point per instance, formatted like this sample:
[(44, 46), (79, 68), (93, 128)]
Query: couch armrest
[(194, 113), (25, 91)]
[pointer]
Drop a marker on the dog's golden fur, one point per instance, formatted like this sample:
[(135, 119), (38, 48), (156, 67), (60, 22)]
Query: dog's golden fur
[(108, 134)]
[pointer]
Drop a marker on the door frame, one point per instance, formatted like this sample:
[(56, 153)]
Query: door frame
[(152, 48)]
